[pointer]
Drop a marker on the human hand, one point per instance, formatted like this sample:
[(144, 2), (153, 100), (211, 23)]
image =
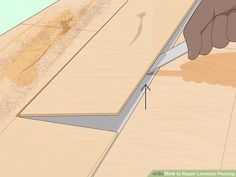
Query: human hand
[(212, 25)]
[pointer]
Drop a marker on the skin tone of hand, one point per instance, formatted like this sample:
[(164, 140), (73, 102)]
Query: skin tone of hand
[(212, 25)]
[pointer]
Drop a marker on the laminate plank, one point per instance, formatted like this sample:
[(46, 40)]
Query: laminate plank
[(101, 78)]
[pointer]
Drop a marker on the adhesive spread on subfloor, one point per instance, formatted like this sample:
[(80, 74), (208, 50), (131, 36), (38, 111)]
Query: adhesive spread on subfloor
[(25, 61), (22, 69)]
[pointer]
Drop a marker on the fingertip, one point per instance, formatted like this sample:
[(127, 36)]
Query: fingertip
[(193, 40), (192, 56), (194, 46)]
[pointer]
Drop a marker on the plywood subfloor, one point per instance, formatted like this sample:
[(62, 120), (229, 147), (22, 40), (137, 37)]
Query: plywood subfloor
[(34, 148), (100, 79), (31, 55), (186, 122)]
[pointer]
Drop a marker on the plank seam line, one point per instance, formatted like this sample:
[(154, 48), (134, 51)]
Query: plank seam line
[(15, 38), (103, 157), (228, 130), (56, 27), (8, 125)]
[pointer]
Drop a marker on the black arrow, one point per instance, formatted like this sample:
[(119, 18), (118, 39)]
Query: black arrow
[(145, 87)]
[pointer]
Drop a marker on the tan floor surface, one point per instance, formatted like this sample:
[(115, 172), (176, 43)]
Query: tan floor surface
[(102, 76), (33, 148), (186, 123), (30, 55)]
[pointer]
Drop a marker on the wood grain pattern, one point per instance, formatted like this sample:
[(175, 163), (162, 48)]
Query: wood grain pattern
[(186, 123), (100, 79)]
